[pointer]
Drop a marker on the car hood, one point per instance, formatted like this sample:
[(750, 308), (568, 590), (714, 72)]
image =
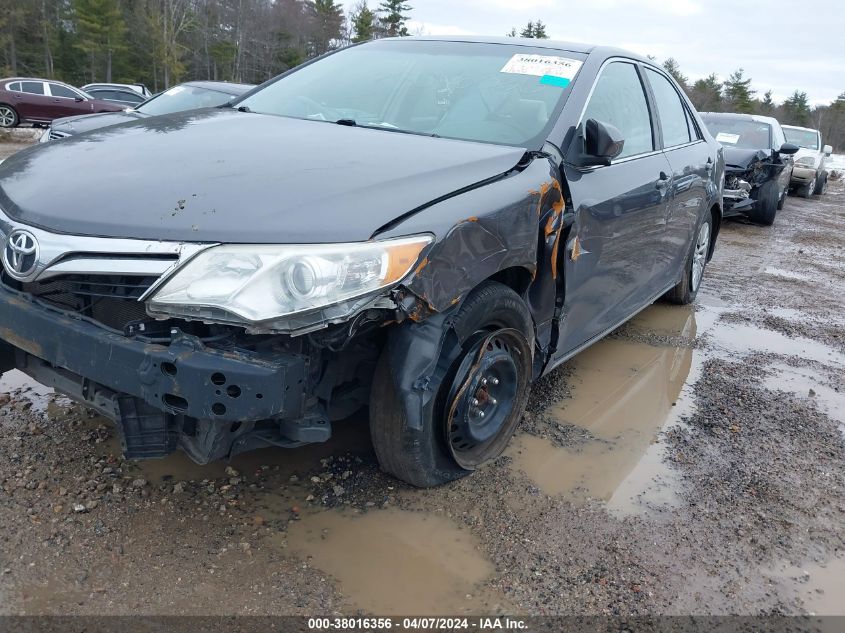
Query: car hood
[(87, 122), (803, 152), (227, 176), (744, 158)]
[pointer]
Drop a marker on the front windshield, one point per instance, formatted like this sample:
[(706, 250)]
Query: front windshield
[(492, 93), (808, 139), (181, 98), (741, 133)]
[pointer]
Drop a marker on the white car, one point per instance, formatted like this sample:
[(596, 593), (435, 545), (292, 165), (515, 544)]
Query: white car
[(810, 174)]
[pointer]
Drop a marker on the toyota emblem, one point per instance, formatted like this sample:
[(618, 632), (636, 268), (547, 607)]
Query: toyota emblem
[(20, 255)]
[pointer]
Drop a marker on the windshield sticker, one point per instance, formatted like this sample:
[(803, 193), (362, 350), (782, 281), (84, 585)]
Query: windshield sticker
[(551, 80), (542, 66), (724, 137)]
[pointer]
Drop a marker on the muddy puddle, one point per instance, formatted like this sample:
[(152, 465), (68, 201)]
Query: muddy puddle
[(398, 562), (623, 393), (42, 399), (625, 390), (820, 586)]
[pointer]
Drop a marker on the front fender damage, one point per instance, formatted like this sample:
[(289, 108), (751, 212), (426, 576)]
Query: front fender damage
[(523, 232)]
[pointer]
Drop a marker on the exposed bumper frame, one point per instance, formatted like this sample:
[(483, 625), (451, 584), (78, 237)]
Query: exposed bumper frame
[(184, 378)]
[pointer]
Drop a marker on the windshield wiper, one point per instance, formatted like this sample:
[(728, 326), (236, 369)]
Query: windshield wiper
[(386, 128)]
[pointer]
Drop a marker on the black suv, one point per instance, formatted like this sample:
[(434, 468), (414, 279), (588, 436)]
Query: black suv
[(418, 225)]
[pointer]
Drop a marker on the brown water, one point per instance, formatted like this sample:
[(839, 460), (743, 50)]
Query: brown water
[(396, 562), (820, 586), (623, 392)]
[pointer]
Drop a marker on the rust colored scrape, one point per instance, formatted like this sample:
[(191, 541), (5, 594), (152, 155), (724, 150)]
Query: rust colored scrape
[(544, 189), (422, 309), (557, 211), (10, 336), (472, 218)]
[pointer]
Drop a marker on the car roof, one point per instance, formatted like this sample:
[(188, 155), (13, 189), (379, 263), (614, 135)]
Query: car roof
[(52, 81), (574, 47), (738, 116), (798, 127), (221, 86)]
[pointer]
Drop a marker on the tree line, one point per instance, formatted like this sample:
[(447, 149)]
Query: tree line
[(736, 94), (163, 42)]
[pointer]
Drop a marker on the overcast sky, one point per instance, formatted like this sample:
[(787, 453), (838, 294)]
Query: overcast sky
[(783, 45)]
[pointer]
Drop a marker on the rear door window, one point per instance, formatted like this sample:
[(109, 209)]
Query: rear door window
[(33, 87), (673, 117), (618, 98), (58, 90)]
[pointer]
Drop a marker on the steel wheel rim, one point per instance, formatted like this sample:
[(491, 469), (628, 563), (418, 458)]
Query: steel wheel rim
[(497, 364), (7, 116), (699, 256)]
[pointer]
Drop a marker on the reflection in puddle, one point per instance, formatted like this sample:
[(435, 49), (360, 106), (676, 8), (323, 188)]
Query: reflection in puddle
[(804, 382), (821, 587), (785, 274), (745, 339), (623, 393), (396, 562), (20, 386)]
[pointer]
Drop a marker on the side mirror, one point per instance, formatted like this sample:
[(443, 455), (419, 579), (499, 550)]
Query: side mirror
[(78, 99), (828, 150), (788, 148), (599, 143)]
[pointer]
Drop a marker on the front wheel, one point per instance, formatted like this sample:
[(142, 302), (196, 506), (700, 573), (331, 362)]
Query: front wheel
[(8, 116), (687, 289), (821, 185), (766, 207), (481, 385)]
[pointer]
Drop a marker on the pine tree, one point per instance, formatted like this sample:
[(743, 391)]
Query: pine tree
[(671, 66), (540, 31), (363, 23), (528, 31), (395, 17), (512, 32), (102, 33), (797, 108), (706, 94), (328, 18), (738, 92)]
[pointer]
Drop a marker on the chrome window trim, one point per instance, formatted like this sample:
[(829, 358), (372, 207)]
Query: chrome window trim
[(61, 254)]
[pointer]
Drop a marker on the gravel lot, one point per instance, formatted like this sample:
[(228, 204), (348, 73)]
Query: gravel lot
[(691, 463)]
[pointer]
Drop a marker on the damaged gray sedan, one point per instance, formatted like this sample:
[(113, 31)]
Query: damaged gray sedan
[(419, 226)]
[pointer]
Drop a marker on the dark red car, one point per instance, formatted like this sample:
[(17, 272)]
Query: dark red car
[(42, 100)]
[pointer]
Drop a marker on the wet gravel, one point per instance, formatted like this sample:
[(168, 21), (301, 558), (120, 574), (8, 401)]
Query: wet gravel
[(758, 475)]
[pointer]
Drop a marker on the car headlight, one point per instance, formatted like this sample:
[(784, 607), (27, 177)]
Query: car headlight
[(259, 283), (806, 161)]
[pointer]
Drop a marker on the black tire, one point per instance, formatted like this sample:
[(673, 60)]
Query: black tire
[(767, 204), (422, 457), (782, 199), (807, 190), (8, 116), (821, 185), (686, 290)]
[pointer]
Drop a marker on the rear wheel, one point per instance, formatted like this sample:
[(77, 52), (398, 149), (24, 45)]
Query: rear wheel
[(8, 116), (767, 203), (482, 385), (687, 289)]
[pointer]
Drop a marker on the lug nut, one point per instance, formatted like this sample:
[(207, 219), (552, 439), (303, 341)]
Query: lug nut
[(481, 414), (483, 381), (494, 381), (475, 402), (494, 401)]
